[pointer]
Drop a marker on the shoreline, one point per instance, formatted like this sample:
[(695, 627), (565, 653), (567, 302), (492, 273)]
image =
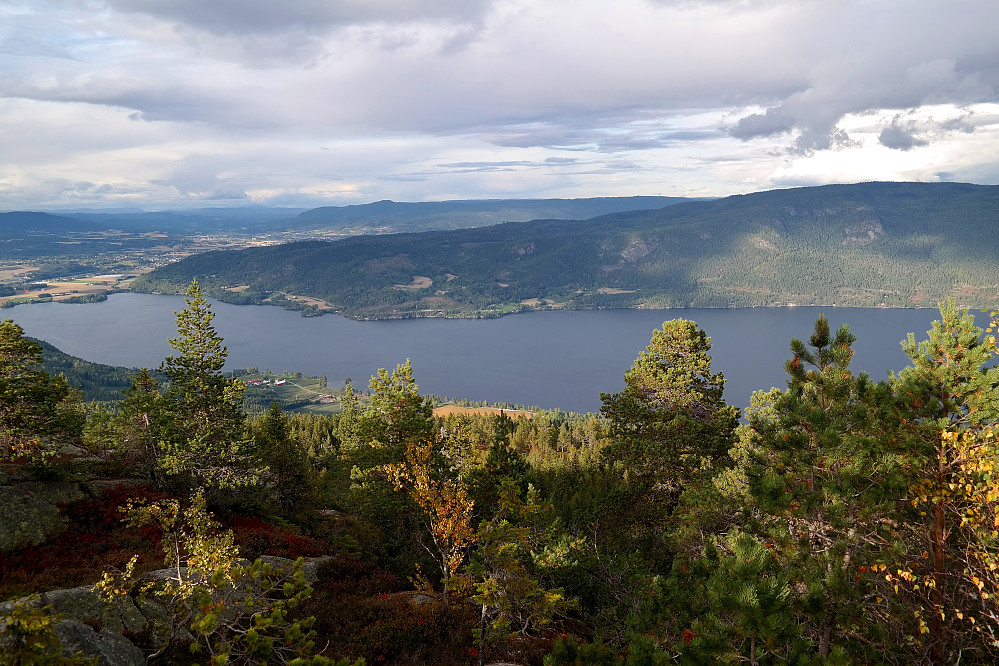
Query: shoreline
[(478, 314)]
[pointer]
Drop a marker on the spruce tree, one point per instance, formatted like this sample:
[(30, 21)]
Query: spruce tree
[(206, 442)]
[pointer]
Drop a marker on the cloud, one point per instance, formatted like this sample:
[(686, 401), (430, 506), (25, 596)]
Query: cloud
[(897, 137), (771, 122), (255, 17), (471, 167), (414, 99)]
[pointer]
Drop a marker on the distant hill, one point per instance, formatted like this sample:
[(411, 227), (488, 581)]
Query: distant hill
[(372, 218), (201, 220), (21, 224), (870, 244), (99, 382), (392, 216)]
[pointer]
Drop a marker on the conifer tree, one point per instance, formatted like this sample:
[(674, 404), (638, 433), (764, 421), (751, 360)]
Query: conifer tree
[(396, 417), (670, 421), (946, 395), (290, 475), (141, 423), (206, 442), (749, 618), (822, 474), (33, 407)]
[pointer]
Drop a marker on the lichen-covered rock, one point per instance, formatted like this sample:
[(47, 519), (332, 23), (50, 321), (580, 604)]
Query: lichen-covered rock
[(310, 568), (158, 619), (78, 603), (111, 649), (29, 515), (83, 605), (131, 617)]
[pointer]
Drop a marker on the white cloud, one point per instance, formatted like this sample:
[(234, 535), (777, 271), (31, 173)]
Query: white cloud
[(367, 99)]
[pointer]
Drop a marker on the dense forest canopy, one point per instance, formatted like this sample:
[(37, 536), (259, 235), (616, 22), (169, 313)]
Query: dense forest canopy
[(872, 244)]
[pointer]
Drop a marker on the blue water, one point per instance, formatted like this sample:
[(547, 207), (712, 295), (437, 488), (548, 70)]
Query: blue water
[(550, 359)]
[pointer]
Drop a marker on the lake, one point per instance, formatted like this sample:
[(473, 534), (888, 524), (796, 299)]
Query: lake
[(550, 359)]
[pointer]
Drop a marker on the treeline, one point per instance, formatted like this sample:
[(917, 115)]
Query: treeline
[(96, 382), (845, 521), (398, 217), (874, 244)]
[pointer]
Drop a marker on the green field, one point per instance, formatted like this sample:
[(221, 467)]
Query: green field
[(297, 393)]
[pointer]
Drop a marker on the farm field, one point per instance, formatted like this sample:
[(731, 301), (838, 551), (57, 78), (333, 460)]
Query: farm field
[(448, 410), (66, 290)]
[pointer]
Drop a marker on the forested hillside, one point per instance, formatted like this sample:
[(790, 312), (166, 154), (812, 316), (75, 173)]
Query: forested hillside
[(395, 217), (96, 381), (872, 244)]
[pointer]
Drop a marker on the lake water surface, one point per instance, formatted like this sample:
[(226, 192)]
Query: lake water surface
[(551, 359)]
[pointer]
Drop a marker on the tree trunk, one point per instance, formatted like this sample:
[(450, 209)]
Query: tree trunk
[(482, 637), (939, 536), (825, 637)]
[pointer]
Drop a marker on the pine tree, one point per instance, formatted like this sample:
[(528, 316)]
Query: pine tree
[(946, 396), (749, 618), (670, 422), (206, 442), (33, 407), (290, 476), (822, 473), (141, 423)]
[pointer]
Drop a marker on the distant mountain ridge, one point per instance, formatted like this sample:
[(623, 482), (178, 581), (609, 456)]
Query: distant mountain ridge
[(463, 214), (377, 217), (869, 244), (18, 224)]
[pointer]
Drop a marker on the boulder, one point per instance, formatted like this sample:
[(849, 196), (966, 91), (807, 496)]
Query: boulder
[(30, 516), (111, 649), (81, 604), (311, 568)]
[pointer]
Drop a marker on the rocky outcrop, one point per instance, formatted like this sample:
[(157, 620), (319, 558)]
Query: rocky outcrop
[(111, 649), (92, 628), (83, 605), (30, 515)]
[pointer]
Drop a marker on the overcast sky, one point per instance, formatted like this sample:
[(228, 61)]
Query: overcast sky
[(191, 103)]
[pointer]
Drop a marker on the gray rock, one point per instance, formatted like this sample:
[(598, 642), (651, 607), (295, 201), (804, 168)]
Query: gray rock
[(110, 649), (81, 604), (280, 564), (157, 616), (419, 599), (162, 574), (73, 451), (78, 604), (29, 515), (311, 568), (129, 615), (7, 606)]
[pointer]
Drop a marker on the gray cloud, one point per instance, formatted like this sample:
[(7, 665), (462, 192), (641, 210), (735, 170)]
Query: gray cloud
[(896, 137), (769, 123), (473, 167), (268, 16), (377, 98)]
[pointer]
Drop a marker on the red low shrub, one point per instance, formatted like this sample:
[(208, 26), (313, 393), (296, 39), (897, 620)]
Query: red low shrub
[(95, 540), (255, 538)]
